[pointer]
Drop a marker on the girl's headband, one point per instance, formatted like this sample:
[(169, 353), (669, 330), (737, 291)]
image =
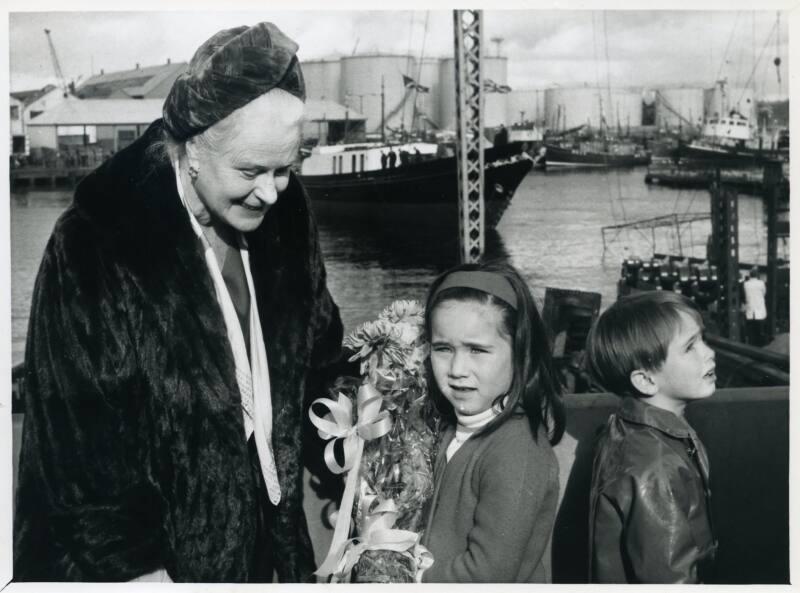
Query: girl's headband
[(492, 283)]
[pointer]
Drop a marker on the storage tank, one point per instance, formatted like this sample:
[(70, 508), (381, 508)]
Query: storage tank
[(447, 94), (571, 107), (361, 88), (323, 79), (525, 104), (721, 100), (677, 107), (624, 108), (495, 68)]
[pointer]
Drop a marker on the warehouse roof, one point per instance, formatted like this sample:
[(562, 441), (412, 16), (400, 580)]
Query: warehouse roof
[(136, 83), (76, 112)]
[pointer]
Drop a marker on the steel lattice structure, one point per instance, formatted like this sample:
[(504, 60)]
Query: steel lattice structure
[(468, 26), (725, 241)]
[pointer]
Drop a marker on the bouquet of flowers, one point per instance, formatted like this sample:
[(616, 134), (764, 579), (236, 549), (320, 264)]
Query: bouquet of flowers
[(387, 449)]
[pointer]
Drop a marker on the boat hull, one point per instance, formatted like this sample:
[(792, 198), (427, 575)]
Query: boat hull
[(424, 193), (712, 155), (556, 157)]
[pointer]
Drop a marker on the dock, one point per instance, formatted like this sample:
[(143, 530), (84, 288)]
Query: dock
[(48, 177)]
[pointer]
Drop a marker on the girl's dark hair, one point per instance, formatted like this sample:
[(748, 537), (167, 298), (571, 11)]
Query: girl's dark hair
[(534, 385)]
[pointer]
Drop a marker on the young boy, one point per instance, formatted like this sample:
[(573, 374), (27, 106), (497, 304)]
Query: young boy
[(649, 517)]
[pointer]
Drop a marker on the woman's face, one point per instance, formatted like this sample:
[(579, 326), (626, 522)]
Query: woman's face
[(243, 161), (471, 356)]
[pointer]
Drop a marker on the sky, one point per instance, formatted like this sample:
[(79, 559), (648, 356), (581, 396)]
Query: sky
[(545, 48)]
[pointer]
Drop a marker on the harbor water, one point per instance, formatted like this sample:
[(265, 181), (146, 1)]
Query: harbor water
[(551, 232)]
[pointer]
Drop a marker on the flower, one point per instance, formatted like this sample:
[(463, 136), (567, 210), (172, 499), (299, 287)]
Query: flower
[(397, 466), (399, 311)]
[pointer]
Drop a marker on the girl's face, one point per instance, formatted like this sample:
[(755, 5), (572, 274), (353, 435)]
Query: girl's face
[(470, 355)]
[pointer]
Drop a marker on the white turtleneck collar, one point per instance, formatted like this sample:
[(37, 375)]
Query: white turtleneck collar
[(469, 425)]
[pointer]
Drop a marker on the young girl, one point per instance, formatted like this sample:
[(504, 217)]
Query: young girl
[(496, 476)]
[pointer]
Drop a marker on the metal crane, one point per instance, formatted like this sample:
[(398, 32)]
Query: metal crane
[(56, 65)]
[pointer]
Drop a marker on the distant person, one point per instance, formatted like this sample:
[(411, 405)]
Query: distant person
[(384, 159), (501, 137), (755, 308), (417, 155), (392, 159), (649, 498), (405, 158), (179, 315)]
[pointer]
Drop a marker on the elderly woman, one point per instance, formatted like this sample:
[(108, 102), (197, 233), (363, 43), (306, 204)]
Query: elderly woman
[(179, 310)]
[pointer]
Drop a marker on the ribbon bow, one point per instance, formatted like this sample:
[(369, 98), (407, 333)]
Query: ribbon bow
[(372, 423), (378, 534)]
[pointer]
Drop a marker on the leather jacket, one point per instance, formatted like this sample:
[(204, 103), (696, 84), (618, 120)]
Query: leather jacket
[(649, 518)]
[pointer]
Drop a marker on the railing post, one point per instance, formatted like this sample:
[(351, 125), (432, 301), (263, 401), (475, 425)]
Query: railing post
[(725, 236), (469, 144), (773, 173)]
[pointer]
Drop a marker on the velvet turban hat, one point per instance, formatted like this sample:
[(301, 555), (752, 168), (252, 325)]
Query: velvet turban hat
[(228, 71)]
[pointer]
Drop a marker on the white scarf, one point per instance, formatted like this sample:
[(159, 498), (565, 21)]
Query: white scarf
[(252, 377)]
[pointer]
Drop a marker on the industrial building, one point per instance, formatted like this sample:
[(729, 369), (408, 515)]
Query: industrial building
[(615, 108), (152, 82), (24, 107), (110, 124), (677, 108), (350, 96), (374, 85)]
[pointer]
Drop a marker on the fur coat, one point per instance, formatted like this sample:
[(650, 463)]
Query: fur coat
[(133, 451)]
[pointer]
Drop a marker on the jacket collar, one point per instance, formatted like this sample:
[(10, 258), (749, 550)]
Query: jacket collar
[(633, 409)]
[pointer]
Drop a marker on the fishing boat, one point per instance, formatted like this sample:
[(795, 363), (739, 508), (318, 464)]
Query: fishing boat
[(421, 189), (594, 154)]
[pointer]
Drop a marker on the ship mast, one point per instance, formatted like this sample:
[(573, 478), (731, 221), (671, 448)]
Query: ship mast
[(383, 112)]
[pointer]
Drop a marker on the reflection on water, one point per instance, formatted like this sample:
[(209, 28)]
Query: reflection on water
[(551, 232)]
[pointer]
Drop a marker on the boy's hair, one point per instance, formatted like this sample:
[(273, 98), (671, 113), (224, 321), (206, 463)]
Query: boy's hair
[(635, 333), (534, 385)]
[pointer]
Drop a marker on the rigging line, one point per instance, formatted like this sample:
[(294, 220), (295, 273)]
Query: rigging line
[(730, 38), (608, 83), (598, 86), (608, 61), (596, 58), (408, 69), (410, 36), (761, 55), (740, 62), (677, 199), (419, 69)]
